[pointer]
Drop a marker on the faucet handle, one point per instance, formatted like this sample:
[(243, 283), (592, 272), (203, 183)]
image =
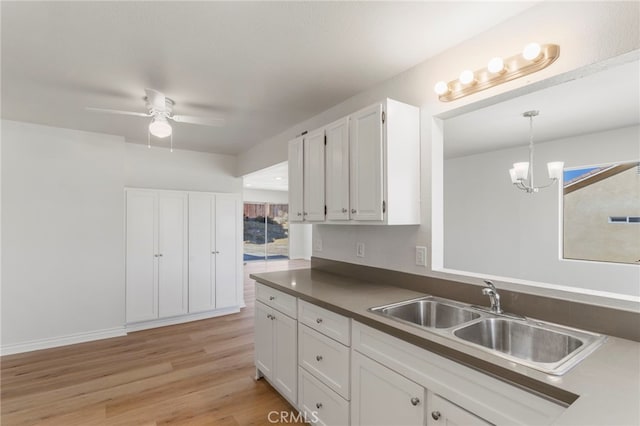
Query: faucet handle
[(489, 284)]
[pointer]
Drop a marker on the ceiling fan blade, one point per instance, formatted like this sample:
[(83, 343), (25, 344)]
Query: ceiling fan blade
[(156, 99), (115, 111), (214, 122)]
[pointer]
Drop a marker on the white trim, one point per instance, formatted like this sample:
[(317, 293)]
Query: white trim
[(69, 339), (144, 325)]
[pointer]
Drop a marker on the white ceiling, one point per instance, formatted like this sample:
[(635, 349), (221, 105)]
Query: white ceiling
[(263, 66), (274, 178), (605, 100)]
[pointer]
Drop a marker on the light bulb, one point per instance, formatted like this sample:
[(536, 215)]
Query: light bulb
[(441, 88), (495, 65), (531, 51), (555, 169), (466, 77), (159, 127)]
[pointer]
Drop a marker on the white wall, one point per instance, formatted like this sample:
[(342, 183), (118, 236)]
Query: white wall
[(587, 32), (63, 226), (492, 228), (159, 168), (63, 233), (265, 196)]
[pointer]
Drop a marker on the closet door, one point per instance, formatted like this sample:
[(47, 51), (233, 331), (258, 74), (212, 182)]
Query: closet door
[(227, 238), (172, 253), (141, 273), (202, 295)]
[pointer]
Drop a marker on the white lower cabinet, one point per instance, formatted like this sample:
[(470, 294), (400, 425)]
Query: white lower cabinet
[(319, 404), (444, 412), (389, 372), (381, 396), (276, 346)]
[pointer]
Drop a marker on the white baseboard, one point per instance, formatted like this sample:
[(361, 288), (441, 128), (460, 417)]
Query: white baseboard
[(69, 339), (144, 325)]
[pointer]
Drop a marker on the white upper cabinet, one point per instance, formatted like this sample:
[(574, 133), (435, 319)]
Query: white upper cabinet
[(313, 198), (366, 167), (337, 170), (296, 175), (384, 144), (361, 169)]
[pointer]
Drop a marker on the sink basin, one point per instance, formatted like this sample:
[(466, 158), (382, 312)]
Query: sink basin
[(427, 312), (546, 347)]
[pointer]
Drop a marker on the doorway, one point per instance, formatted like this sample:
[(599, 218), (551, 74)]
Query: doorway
[(266, 231)]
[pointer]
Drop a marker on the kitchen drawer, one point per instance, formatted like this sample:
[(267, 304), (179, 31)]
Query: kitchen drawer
[(319, 404), (324, 358), (283, 302), (329, 323)]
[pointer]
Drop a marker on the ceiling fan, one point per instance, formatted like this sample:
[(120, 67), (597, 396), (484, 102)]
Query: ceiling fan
[(160, 110)]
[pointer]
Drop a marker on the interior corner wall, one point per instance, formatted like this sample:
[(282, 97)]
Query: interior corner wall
[(62, 234), (180, 170)]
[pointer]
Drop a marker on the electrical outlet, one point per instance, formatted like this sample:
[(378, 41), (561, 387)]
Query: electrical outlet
[(360, 249), (421, 256), (317, 243)]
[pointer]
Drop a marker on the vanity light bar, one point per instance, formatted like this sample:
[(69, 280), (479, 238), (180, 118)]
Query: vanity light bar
[(533, 58)]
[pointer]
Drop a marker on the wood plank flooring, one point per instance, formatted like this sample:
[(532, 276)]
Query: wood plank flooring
[(198, 373)]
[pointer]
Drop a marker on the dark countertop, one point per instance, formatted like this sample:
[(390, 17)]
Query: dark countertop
[(602, 389)]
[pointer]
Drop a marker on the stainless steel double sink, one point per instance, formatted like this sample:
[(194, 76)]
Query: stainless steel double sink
[(546, 347)]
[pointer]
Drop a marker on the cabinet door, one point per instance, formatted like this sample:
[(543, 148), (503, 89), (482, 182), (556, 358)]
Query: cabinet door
[(172, 248), (313, 197), (366, 164), (285, 343), (141, 261), (227, 217), (337, 170), (263, 340), (381, 396), (202, 296), (444, 412), (296, 184)]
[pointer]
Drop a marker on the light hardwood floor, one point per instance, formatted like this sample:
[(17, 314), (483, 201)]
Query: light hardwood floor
[(198, 373)]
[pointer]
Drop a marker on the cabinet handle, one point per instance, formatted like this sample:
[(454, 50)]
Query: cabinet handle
[(272, 298), (318, 405), (319, 320), (299, 214), (344, 210), (435, 415), (354, 211), (305, 213), (415, 401), (318, 358), (157, 255), (268, 316)]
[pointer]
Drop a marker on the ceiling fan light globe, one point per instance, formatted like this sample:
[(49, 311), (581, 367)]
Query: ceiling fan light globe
[(160, 128)]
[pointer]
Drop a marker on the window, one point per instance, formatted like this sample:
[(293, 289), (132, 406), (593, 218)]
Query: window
[(597, 202)]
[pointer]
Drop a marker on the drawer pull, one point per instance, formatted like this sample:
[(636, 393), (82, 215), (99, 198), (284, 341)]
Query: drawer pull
[(415, 401), (319, 320), (435, 415), (272, 298), (318, 358), (318, 405)]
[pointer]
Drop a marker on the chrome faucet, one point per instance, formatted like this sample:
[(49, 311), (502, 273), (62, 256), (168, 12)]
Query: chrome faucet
[(492, 292)]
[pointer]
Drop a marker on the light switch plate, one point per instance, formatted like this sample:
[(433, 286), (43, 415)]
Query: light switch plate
[(317, 243), (421, 256), (360, 249)]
